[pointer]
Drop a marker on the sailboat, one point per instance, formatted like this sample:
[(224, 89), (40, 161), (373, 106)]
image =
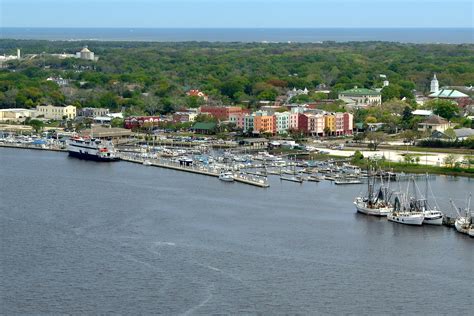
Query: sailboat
[(464, 222), (374, 204)]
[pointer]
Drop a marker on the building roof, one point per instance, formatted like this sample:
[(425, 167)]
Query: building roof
[(422, 112), (360, 91), (448, 93), (85, 50), (435, 119), (103, 132), (204, 126), (464, 132)]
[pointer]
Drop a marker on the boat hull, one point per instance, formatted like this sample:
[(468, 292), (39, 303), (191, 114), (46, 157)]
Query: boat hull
[(87, 156), (381, 212), (433, 219), (407, 219)]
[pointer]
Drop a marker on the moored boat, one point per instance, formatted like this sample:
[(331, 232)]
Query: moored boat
[(91, 149), (226, 176)]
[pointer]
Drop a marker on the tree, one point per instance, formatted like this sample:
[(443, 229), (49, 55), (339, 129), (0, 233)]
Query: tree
[(37, 125), (409, 136), (359, 137), (443, 108), (450, 160), (375, 139), (117, 122), (390, 92)]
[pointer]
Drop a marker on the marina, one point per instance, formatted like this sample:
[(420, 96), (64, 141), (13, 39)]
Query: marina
[(140, 230)]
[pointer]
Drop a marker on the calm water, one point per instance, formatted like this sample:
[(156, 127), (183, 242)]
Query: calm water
[(83, 237), (404, 35)]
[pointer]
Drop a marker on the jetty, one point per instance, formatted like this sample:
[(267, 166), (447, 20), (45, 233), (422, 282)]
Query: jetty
[(203, 170)]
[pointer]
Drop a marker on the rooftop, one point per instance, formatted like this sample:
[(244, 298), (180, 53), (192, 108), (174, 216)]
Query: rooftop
[(360, 91), (448, 93), (435, 119)]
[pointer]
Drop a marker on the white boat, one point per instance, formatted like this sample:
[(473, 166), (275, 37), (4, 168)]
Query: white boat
[(298, 179), (91, 149), (406, 217), (464, 223), (374, 204), (226, 176), (347, 181), (147, 163), (433, 217)]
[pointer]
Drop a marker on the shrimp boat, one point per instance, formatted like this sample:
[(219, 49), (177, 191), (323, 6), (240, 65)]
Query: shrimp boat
[(407, 210), (464, 222), (374, 204), (91, 149)]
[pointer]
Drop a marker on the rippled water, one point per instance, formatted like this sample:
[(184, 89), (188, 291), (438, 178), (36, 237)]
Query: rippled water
[(84, 237)]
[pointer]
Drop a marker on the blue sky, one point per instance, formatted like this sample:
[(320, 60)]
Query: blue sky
[(236, 13)]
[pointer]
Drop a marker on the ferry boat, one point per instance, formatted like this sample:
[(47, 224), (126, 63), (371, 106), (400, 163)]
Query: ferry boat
[(91, 149)]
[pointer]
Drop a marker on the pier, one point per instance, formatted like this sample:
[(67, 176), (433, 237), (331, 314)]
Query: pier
[(168, 164)]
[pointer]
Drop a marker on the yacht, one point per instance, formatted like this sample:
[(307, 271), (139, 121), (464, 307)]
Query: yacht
[(91, 149), (226, 176)]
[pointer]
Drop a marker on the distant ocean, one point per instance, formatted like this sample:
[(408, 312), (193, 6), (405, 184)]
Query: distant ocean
[(306, 35)]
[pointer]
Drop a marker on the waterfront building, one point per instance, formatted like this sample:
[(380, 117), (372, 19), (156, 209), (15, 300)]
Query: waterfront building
[(221, 112), (237, 119), (264, 124), (330, 123), (302, 123), (316, 124), (361, 97), (93, 112), (248, 122), (141, 121), (16, 115), (348, 123), (53, 112), (183, 117), (282, 121), (293, 124)]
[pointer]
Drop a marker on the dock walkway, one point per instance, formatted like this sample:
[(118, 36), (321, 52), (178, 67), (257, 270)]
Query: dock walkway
[(165, 163)]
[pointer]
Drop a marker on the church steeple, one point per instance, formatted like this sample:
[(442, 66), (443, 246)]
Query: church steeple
[(434, 85)]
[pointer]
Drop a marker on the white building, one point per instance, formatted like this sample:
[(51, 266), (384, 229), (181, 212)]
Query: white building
[(86, 54), (434, 87), (361, 97), (16, 115), (52, 112), (282, 122)]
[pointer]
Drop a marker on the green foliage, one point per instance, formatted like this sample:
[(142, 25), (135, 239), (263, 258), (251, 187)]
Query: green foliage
[(37, 125), (443, 108), (148, 77)]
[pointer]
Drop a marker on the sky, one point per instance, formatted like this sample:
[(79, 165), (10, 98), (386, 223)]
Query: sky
[(236, 13)]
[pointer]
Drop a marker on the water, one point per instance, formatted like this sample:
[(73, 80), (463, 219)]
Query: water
[(93, 238), (404, 35)]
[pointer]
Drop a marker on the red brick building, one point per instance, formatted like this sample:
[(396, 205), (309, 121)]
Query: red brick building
[(221, 112)]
